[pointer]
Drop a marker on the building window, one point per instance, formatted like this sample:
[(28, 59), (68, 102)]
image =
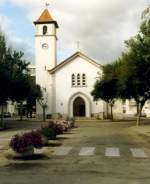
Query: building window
[(83, 80), (73, 80), (78, 80), (44, 30)]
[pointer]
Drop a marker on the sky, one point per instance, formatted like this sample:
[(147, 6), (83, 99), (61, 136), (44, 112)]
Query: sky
[(101, 26)]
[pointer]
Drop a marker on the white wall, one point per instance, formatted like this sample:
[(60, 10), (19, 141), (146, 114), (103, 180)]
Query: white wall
[(45, 60), (64, 89)]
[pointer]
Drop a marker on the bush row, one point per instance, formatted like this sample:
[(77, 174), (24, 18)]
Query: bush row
[(39, 137)]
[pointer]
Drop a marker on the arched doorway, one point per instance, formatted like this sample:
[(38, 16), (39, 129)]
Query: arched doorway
[(79, 108), (86, 100)]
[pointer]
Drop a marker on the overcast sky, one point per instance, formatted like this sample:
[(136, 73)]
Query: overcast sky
[(101, 26)]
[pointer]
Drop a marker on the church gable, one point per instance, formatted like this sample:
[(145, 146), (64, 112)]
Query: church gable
[(73, 58)]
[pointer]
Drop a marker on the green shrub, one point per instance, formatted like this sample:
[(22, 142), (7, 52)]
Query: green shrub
[(49, 133), (56, 116)]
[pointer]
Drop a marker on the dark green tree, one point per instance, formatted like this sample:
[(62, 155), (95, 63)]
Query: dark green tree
[(20, 90), (16, 84), (129, 76), (34, 94), (5, 78), (106, 87), (134, 79)]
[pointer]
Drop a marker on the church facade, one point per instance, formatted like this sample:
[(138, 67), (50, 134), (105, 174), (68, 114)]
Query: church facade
[(67, 86)]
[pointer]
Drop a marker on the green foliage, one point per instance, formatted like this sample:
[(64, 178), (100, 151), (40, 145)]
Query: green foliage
[(35, 93), (4, 74), (16, 84), (106, 88), (49, 133), (129, 76), (12, 74), (137, 63), (56, 116)]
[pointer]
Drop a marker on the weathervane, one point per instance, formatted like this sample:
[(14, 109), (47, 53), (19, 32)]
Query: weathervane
[(47, 4)]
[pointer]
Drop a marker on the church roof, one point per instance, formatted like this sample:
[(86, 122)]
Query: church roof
[(46, 18), (74, 56)]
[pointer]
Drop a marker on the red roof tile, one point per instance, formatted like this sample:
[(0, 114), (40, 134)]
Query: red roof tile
[(46, 18)]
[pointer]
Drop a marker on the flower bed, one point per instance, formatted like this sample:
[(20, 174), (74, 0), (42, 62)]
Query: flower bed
[(55, 127), (25, 143)]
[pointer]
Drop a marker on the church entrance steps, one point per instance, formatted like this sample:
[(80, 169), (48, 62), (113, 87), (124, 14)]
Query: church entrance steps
[(112, 152), (84, 119)]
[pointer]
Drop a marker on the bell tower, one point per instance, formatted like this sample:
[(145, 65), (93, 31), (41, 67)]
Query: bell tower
[(45, 42), (45, 51)]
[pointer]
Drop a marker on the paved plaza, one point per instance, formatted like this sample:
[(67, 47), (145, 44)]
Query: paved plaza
[(94, 153)]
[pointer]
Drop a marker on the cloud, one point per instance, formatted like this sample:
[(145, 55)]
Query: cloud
[(17, 43), (4, 22), (101, 26), (2, 2), (25, 46), (27, 3)]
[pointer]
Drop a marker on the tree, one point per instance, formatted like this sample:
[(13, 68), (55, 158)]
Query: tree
[(129, 76), (42, 100), (34, 94), (4, 76), (134, 80), (102, 90), (106, 88), (16, 84), (20, 90), (4, 81)]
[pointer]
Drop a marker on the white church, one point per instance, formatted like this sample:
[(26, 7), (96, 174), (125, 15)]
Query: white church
[(67, 86)]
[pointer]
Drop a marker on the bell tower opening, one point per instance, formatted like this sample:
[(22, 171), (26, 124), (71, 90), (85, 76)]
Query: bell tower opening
[(44, 30)]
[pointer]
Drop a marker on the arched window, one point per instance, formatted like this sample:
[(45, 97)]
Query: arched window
[(78, 80), (83, 80), (44, 30), (73, 80)]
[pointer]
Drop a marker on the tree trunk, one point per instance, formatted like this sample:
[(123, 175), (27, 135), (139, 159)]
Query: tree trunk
[(107, 110), (111, 106), (44, 114), (139, 114), (2, 116), (21, 111), (140, 107), (137, 106)]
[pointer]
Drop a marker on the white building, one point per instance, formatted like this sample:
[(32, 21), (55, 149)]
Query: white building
[(67, 86)]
